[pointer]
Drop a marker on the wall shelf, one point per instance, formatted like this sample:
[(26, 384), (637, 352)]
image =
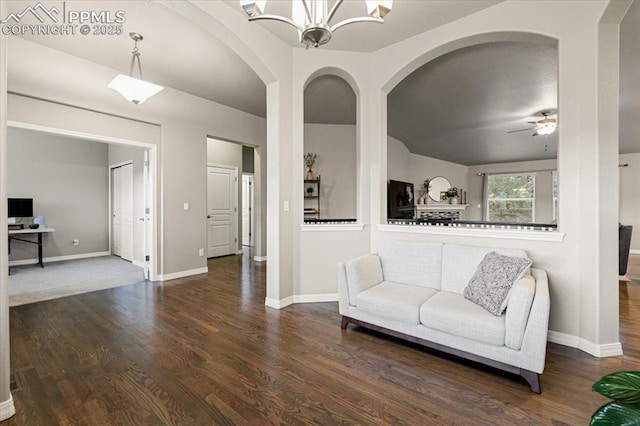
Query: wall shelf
[(312, 198)]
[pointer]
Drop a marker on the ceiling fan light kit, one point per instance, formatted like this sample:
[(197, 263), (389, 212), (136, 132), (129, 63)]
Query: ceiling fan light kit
[(312, 18), (543, 127), (134, 90)]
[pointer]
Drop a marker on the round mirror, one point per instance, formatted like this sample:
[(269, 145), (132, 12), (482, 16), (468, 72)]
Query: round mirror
[(437, 186)]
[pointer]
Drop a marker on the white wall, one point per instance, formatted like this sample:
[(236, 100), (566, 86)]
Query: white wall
[(335, 145), (228, 154), (68, 181), (581, 267), (119, 154), (630, 196)]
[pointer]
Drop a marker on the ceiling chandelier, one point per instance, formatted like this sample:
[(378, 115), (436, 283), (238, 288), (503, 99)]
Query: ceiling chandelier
[(312, 18), (133, 89)]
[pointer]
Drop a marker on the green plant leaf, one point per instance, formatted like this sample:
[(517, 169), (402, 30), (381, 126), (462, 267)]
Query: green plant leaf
[(614, 414), (621, 386)]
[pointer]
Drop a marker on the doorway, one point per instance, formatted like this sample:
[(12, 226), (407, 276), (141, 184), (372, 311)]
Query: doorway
[(247, 210), (222, 210)]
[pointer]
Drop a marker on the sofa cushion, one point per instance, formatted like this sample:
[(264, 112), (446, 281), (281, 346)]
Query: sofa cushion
[(452, 313), (460, 262), (490, 285), (362, 273), (414, 263), (395, 301)]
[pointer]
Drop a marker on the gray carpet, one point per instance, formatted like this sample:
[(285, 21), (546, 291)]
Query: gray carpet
[(31, 283)]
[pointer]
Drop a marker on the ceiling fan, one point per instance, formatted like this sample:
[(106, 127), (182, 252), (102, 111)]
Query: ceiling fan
[(545, 126)]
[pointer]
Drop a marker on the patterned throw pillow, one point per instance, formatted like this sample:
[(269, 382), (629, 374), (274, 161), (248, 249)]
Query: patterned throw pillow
[(490, 285)]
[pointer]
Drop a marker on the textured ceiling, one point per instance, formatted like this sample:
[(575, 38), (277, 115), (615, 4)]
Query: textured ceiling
[(460, 106)]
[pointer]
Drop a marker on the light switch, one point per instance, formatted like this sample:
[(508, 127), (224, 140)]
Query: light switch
[(185, 206), (285, 206)]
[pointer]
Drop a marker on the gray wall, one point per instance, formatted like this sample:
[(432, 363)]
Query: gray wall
[(68, 181), (335, 145)]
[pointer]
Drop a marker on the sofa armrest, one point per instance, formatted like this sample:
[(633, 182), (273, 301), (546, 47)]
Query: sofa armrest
[(534, 342), (343, 289), (518, 309), (358, 274)]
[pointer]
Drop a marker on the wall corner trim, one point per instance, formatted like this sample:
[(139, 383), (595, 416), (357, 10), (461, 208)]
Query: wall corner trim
[(300, 298), (278, 303), (182, 274), (599, 351), (7, 409)]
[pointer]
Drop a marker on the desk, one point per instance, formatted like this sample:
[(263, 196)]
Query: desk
[(39, 231)]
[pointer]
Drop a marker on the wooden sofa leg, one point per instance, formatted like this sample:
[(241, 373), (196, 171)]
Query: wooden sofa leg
[(533, 379), (345, 322)]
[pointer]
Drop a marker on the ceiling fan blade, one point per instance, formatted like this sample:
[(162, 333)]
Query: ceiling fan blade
[(521, 130)]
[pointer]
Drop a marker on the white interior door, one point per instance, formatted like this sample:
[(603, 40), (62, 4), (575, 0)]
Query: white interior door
[(222, 211), (122, 211), (247, 210)]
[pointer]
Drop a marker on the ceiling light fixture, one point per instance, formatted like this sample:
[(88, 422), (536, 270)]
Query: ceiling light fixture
[(311, 19), (133, 89), (546, 126)]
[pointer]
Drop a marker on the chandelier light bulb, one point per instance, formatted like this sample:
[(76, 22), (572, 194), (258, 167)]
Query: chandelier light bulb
[(312, 18)]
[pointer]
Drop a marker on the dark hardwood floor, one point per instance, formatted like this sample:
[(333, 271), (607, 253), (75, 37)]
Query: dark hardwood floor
[(205, 350)]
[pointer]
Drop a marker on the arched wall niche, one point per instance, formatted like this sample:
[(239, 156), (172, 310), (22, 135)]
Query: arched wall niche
[(331, 131), (512, 153)]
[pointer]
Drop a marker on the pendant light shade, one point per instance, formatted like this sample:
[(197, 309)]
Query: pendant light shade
[(135, 90)]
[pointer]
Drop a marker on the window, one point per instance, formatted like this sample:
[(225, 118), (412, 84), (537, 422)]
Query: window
[(511, 198)]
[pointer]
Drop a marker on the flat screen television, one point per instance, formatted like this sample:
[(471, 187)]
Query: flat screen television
[(20, 207), (400, 200)]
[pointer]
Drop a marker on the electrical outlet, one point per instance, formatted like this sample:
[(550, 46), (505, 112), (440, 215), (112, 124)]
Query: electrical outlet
[(201, 252), (76, 242), (185, 206)]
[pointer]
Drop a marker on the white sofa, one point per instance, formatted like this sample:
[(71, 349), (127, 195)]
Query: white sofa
[(414, 290)]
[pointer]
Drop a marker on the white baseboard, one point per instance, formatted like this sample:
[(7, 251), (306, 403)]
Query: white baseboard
[(7, 409), (138, 263), (634, 251), (315, 298), (238, 251), (59, 258), (600, 351), (278, 304), (182, 274), (300, 298), (260, 258)]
